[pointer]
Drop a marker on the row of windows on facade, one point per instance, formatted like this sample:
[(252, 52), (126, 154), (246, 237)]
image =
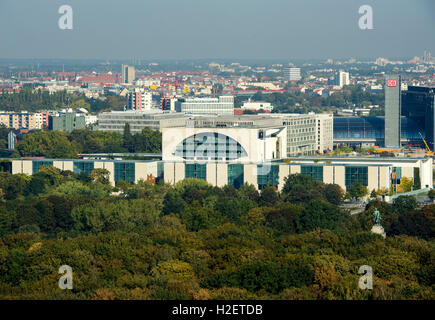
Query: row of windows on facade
[(266, 175)]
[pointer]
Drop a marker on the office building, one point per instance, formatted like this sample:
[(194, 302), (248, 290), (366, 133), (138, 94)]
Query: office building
[(127, 74), (393, 109), (292, 74), (262, 137), (224, 105), (374, 173), (67, 122), (418, 104), (115, 121), (225, 138), (370, 131)]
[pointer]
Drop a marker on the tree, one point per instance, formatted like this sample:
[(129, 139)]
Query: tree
[(357, 190), (50, 144), (196, 217), (403, 204), (268, 196), (334, 194), (127, 138), (373, 194), (319, 214), (405, 185), (431, 194), (173, 202), (100, 175)]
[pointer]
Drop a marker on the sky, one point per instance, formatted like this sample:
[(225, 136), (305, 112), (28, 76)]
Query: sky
[(221, 29)]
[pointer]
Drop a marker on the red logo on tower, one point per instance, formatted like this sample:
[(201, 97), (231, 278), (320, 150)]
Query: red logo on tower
[(391, 83)]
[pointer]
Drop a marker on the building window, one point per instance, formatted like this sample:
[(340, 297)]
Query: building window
[(235, 175), (38, 163), (210, 145), (315, 172), (356, 174), (195, 170), (83, 166), (124, 171), (267, 175)]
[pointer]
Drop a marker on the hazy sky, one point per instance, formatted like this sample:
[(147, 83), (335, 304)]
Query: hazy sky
[(184, 29)]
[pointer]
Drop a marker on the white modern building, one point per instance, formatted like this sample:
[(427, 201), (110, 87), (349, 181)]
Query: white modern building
[(224, 138), (292, 74), (373, 172), (342, 79)]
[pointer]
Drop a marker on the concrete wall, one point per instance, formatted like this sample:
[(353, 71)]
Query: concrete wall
[(284, 171), (340, 176), (211, 173), (222, 176), (250, 174), (169, 172), (373, 178), (143, 169), (328, 174)]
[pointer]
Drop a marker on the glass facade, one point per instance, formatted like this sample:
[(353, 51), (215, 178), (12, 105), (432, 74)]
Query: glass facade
[(235, 175), (356, 174), (83, 166), (315, 172), (418, 104), (196, 170), (124, 171), (267, 175), (38, 163), (210, 146), (348, 128)]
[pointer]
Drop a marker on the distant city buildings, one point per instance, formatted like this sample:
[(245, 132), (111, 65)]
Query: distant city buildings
[(341, 79), (256, 106), (292, 74), (139, 99), (22, 120), (128, 74)]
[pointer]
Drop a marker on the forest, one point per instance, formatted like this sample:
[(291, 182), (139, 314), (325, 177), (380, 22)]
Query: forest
[(196, 241)]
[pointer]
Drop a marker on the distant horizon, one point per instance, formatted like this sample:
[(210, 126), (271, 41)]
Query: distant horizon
[(216, 30), (150, 60)]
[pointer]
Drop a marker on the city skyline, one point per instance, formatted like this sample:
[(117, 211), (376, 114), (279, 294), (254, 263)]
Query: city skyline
[(226, 30)]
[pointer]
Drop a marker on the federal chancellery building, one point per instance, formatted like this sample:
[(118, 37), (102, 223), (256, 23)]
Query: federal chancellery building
[(260, 150)]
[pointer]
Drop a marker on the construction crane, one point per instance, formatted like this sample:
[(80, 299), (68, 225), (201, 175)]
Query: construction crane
[(428, 150)]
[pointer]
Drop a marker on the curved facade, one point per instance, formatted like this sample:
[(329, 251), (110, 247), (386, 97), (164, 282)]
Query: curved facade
[(210, 146)]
